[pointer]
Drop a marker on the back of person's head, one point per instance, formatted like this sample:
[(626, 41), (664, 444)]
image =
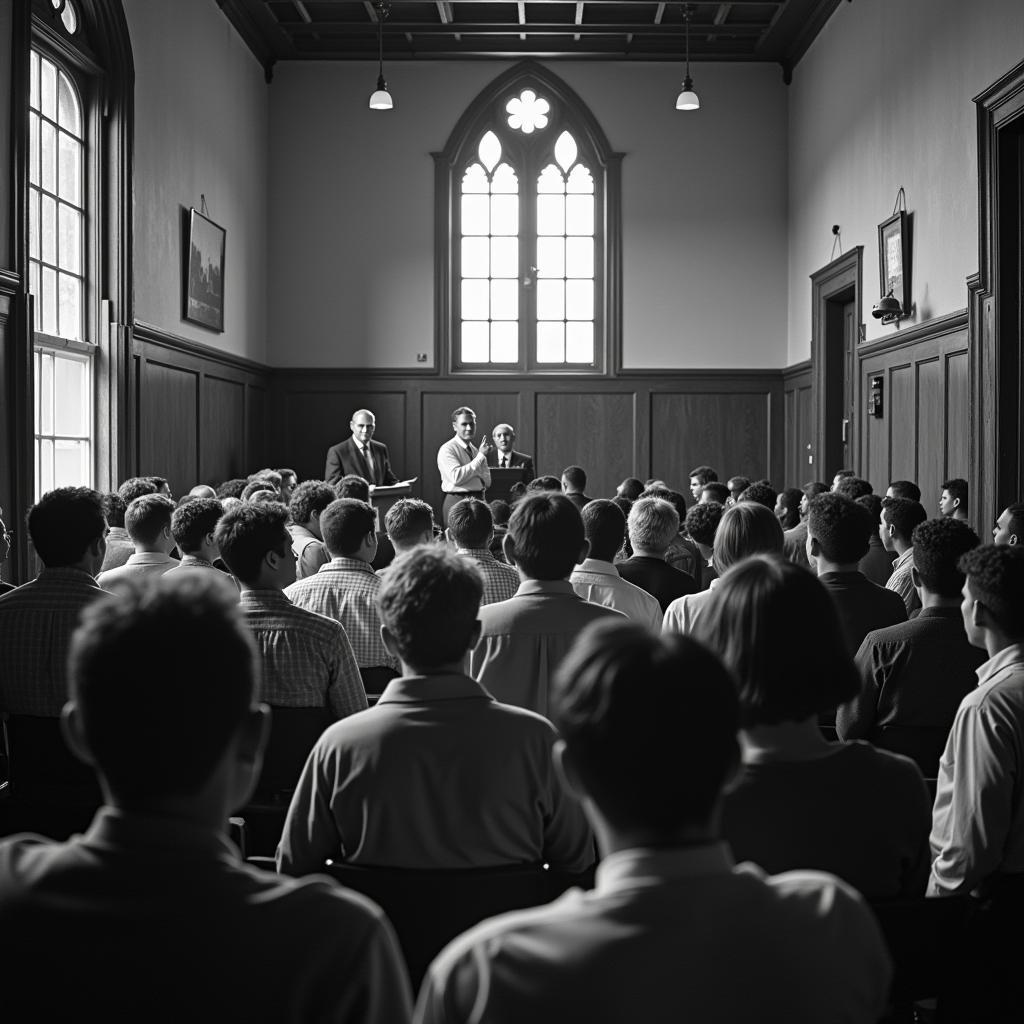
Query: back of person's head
[(147, 517), (345, 524), (246, 533), (546, 533), (841, 473), (408, 520), (270, 475), (199, 491), (762, 493), (841, 527), (630, 488), (575, 478), (517, 491), (135, 487), (939, 544), (180, 639), (905, 489), (649, 724), (715, 491), (903, 515), (232, 488), (624, 504), (789, 500), (428, 604), (703, 520), (604, 526), (114, 509), (64, 523), (470, 524), (352, 486), (544, 483), (995, 576), (853, 487), (255, 486), (285, 473), (779, 633), (653, 524), (192, 521), (747, 528), (737, 485), (674, 498), (957, 488), (311, 496), (161, 483), (873, 503), (500, 511), (703, 474)]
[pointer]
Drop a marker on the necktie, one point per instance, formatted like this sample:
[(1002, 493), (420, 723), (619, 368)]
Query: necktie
[(504, 462), (369, 463)]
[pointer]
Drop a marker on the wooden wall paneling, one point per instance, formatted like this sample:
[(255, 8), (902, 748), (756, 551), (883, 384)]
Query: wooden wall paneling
[(222, 416), (931, 428), (874, 435), (958, 426), (902, 439), (256, 448), (798, 426), (169, 436)]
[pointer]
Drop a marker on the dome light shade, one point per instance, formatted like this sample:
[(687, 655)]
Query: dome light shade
[(381, 98), (688, 99)]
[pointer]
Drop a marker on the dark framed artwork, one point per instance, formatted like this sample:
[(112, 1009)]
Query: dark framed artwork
[(204, 272), (894, 258)]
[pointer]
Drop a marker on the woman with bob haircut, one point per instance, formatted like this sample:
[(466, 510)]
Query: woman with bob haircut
[(747, 528), (800, 801)]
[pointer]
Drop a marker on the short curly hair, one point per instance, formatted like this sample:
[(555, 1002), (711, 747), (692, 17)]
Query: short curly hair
[(64, 523), (939, 544), (702, 522), (903, 515), (309, 497), (247, 532), (193, 520), (995, 575), (762, 493), (841, 527), (854, 487)]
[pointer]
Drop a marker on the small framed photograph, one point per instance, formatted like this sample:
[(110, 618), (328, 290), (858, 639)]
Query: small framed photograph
[(204, 272), (894, 258)]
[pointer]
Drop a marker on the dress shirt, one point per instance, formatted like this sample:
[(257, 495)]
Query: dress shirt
[(670, 935), (120, 548), (794, 544), (193, 563), (599, 582), (309, 552), (346, 589), (877, 564), (524, 640), (36, 623), (157, 919), (307, 659), (902, 583), (501, 581), (438, 775), (682, 614), (914, 676), (142, 565), (978, 820), (862, 605), (661, 580), (462, 467)]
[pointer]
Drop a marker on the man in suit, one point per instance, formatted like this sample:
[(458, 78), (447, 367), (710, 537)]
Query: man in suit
[(360, 454), (504, 457)]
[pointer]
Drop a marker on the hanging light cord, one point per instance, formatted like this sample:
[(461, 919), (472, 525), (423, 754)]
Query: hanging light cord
[(380, 40), (686, 18)]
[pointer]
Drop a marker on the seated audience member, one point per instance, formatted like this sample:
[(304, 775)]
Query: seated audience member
[(153, 891), (746, 528), (898, 520), (470, 527), (438, 774), (787, 507), (265, 497), (201, 491), (841, 474), (119, 545), (162, 485), (193, 527), (231, 488), (289, 481), (978, 822), (523, 639), (877, 563), (500, 514), (5, 548), (544, 483), (352, 486), (135, 487), (737, 485), (761, 492), (597, 580), (837, 539), (699, 476), (853, 487), (682, 553), (37, 619), (794, 541), (652, 526), (407, 524), (715, 491), (307, 660), (517, 492), (308, 502), (800, 801), (953, 500), (673, 930), (148, 522), (254, 487), (574, 484), (1009, 528), (904, 489), (702, 522), (914, 675), (270, 475), (346, 588), (630, 489)]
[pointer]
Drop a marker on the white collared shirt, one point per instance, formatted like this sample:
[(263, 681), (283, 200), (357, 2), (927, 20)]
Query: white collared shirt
[(599, 582)]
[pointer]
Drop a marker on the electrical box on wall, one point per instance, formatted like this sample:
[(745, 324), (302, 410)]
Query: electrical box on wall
[(875, 403)]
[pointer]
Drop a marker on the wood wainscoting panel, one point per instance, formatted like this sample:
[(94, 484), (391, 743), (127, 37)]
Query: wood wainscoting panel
[(931, 430), (958, 422), (798, 426), (902, 426), (223, 417), (256, 427), (169, 424)]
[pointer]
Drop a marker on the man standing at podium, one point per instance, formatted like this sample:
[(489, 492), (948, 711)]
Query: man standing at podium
[(463, 467), (360, 454), (504, 457)]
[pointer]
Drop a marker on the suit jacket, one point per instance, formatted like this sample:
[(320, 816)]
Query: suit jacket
[(345, 458), (518, 460)]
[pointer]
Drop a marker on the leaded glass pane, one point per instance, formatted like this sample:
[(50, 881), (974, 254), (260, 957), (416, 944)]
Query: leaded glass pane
[(527, 112), (33, 75), (475, 344), (33, 224), (505, 257), (70, 463), (70, 169), (579, 257), (579, 300), (71, 397), (49, 156), (33, 149), (551, 299), (504, 342), (44, 406), (70, 241), (68, 115), (475, 180), (504, 215), (44, 467), (69, 18), (49, 232), (49, 300), (551, 180), (48, 89), (550, 257), (579, 342), (474, 300), (551, 342), (475, 217), (474, 257), (505, 299), (489, 150), (33, 287), (580, 180), (565, 151), (70, 306), (505, 180), (579, 215), (550, 215)]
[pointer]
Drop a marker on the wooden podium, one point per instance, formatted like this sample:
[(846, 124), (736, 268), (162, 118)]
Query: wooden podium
[(502, 481), (382, 498)]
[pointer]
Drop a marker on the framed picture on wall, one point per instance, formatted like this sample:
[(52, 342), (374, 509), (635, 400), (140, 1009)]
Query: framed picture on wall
[(894, 258), (204, 272)]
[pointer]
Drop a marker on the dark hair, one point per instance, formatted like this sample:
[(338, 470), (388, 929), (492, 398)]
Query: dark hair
[(631, 488), (1016, 523), (470, 523), (246, 532), (500, 512), (957, 488), (270, 475), (873, 503), (674, 498), (231, 488), (841, 527), (903, 515), (624, 504), (345, 524), (843, 473), (574, 476), (747, 528), (113, 509), (995, 573), (517, 491), (703, 474), (814, 487), (147, 517), (135, 487), (547, 535), (649, 722), (853, 487), (137, 744), (429, 603), (64, 523), (905, 489), (192, 521), (544, 483), (604, 526), (255, 486), (718, 492), (938, 546), (309, 497), (282, 473), (408, 519), (762, 493), (778, 631), (738, 483), (456, 413), (159, 481), (702, 522), (791, 503), (353, 486)]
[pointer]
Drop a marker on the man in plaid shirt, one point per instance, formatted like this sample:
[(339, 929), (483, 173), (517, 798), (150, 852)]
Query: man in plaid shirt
[(470, 529)]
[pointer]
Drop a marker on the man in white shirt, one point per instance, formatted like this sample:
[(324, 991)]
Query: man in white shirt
[(896, 525), (148, 522), (463, 467), (673, 930)]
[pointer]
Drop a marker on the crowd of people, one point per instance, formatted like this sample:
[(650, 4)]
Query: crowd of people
[(755, 712)]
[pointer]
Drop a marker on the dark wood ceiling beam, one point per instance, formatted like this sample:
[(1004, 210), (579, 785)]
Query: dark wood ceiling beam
[(579, 21), (521, 7), (447, 15), (514, 50), (397, 4), (343, 28)]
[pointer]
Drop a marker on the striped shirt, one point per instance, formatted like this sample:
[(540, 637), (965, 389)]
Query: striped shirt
[(307, 659), (501, 581), (346, 590), (36, 623), (902, 583)]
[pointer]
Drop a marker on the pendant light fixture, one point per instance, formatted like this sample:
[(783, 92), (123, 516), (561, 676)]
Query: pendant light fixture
[(687, 99), (381, 98)]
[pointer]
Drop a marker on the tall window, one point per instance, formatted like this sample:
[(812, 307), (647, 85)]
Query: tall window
[(532, 243)]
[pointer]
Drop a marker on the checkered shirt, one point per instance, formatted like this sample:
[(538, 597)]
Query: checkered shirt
[(346, 589), (36, 623), (501, 581), (307, 659)]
